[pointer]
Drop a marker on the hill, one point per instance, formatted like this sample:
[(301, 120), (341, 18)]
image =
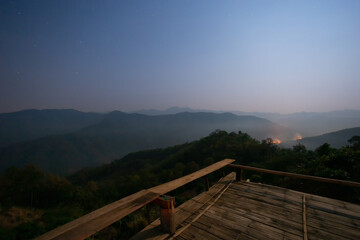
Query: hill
[(32, 124), (118, 134), (49, 200), (310, 124), (171, 110), (335, 139), (307, 124)]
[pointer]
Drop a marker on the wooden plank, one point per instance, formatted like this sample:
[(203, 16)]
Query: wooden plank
[(266, 213), (180, 238), (258, 206), (231, 226), (203, 211), (93, 222), (338, 207), (270, 218), (252, 228), (192, 207), (266, 189), (342, 204), (315, 233), (151, 232), (196, 233), (186, 210), (216, 229), (336, 229), (334, 210), (219, 228), (169, 186), (266, 198), (295, 175), (332, 219), (313, 201)]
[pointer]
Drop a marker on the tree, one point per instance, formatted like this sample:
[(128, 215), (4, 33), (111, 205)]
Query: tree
[(300, 148), (355, 142), (324, 149)]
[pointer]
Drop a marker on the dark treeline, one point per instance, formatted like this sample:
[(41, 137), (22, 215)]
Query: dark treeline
[(33, 202)]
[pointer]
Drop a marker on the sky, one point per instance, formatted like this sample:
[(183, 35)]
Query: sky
[(265, 56)]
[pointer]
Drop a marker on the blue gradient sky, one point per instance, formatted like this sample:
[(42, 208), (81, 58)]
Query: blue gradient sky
[(272, 56)]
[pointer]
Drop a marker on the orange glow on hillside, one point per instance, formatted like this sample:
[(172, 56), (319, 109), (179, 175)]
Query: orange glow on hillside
[(276, 141), (297, 137)]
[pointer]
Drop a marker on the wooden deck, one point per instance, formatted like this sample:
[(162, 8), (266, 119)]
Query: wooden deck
[(240, 210)]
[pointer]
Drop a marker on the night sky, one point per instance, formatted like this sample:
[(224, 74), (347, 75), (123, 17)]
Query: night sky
[(270, 56)]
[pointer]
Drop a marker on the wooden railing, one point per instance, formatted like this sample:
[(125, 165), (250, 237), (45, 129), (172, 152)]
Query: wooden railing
[(99, 219), (240, 168)]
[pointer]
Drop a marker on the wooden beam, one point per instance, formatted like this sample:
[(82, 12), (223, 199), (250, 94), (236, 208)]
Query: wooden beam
[(169, 186), (239, 174), (207, 182), (93, 222), (295, 175)]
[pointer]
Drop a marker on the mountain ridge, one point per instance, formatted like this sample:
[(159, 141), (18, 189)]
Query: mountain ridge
[(119, 133), (336, 139), (32, 124)]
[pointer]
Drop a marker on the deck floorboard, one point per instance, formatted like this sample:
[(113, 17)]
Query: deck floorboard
[(242, 210)]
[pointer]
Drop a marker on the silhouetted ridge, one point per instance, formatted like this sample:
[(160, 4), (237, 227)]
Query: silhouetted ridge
[(117, 134)]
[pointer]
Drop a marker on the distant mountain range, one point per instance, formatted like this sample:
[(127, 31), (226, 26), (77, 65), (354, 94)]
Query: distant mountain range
[(335, 139), (172, 110), (313, 124), (63, 141), (32, 124), (307, 124), (62, 145)]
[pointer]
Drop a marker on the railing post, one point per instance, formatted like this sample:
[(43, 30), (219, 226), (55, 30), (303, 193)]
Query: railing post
[(207, 183), (167, 213), (148, 213), (239, 173)]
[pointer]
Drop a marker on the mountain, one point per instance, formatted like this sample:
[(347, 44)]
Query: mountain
[(306, 124), (171, 110), (335, 139), (312, 124), (309, 124), (32, 124), (118, 134)]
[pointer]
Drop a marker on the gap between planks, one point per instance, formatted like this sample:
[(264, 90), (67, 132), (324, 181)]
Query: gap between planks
[(304, 217)]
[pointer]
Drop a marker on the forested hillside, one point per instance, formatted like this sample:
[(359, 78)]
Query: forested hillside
[(33, 202)]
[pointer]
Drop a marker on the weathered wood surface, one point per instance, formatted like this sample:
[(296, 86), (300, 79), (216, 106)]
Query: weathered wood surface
[(186, 211), (169, 186), (258, 211), (93, 222), (295, 175)]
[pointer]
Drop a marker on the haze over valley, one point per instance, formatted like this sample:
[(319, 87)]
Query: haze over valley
[(64, 141)]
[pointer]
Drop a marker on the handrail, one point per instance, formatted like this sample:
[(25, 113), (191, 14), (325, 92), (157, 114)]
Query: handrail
[(295, 175), (172, 185), (101, 218)]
